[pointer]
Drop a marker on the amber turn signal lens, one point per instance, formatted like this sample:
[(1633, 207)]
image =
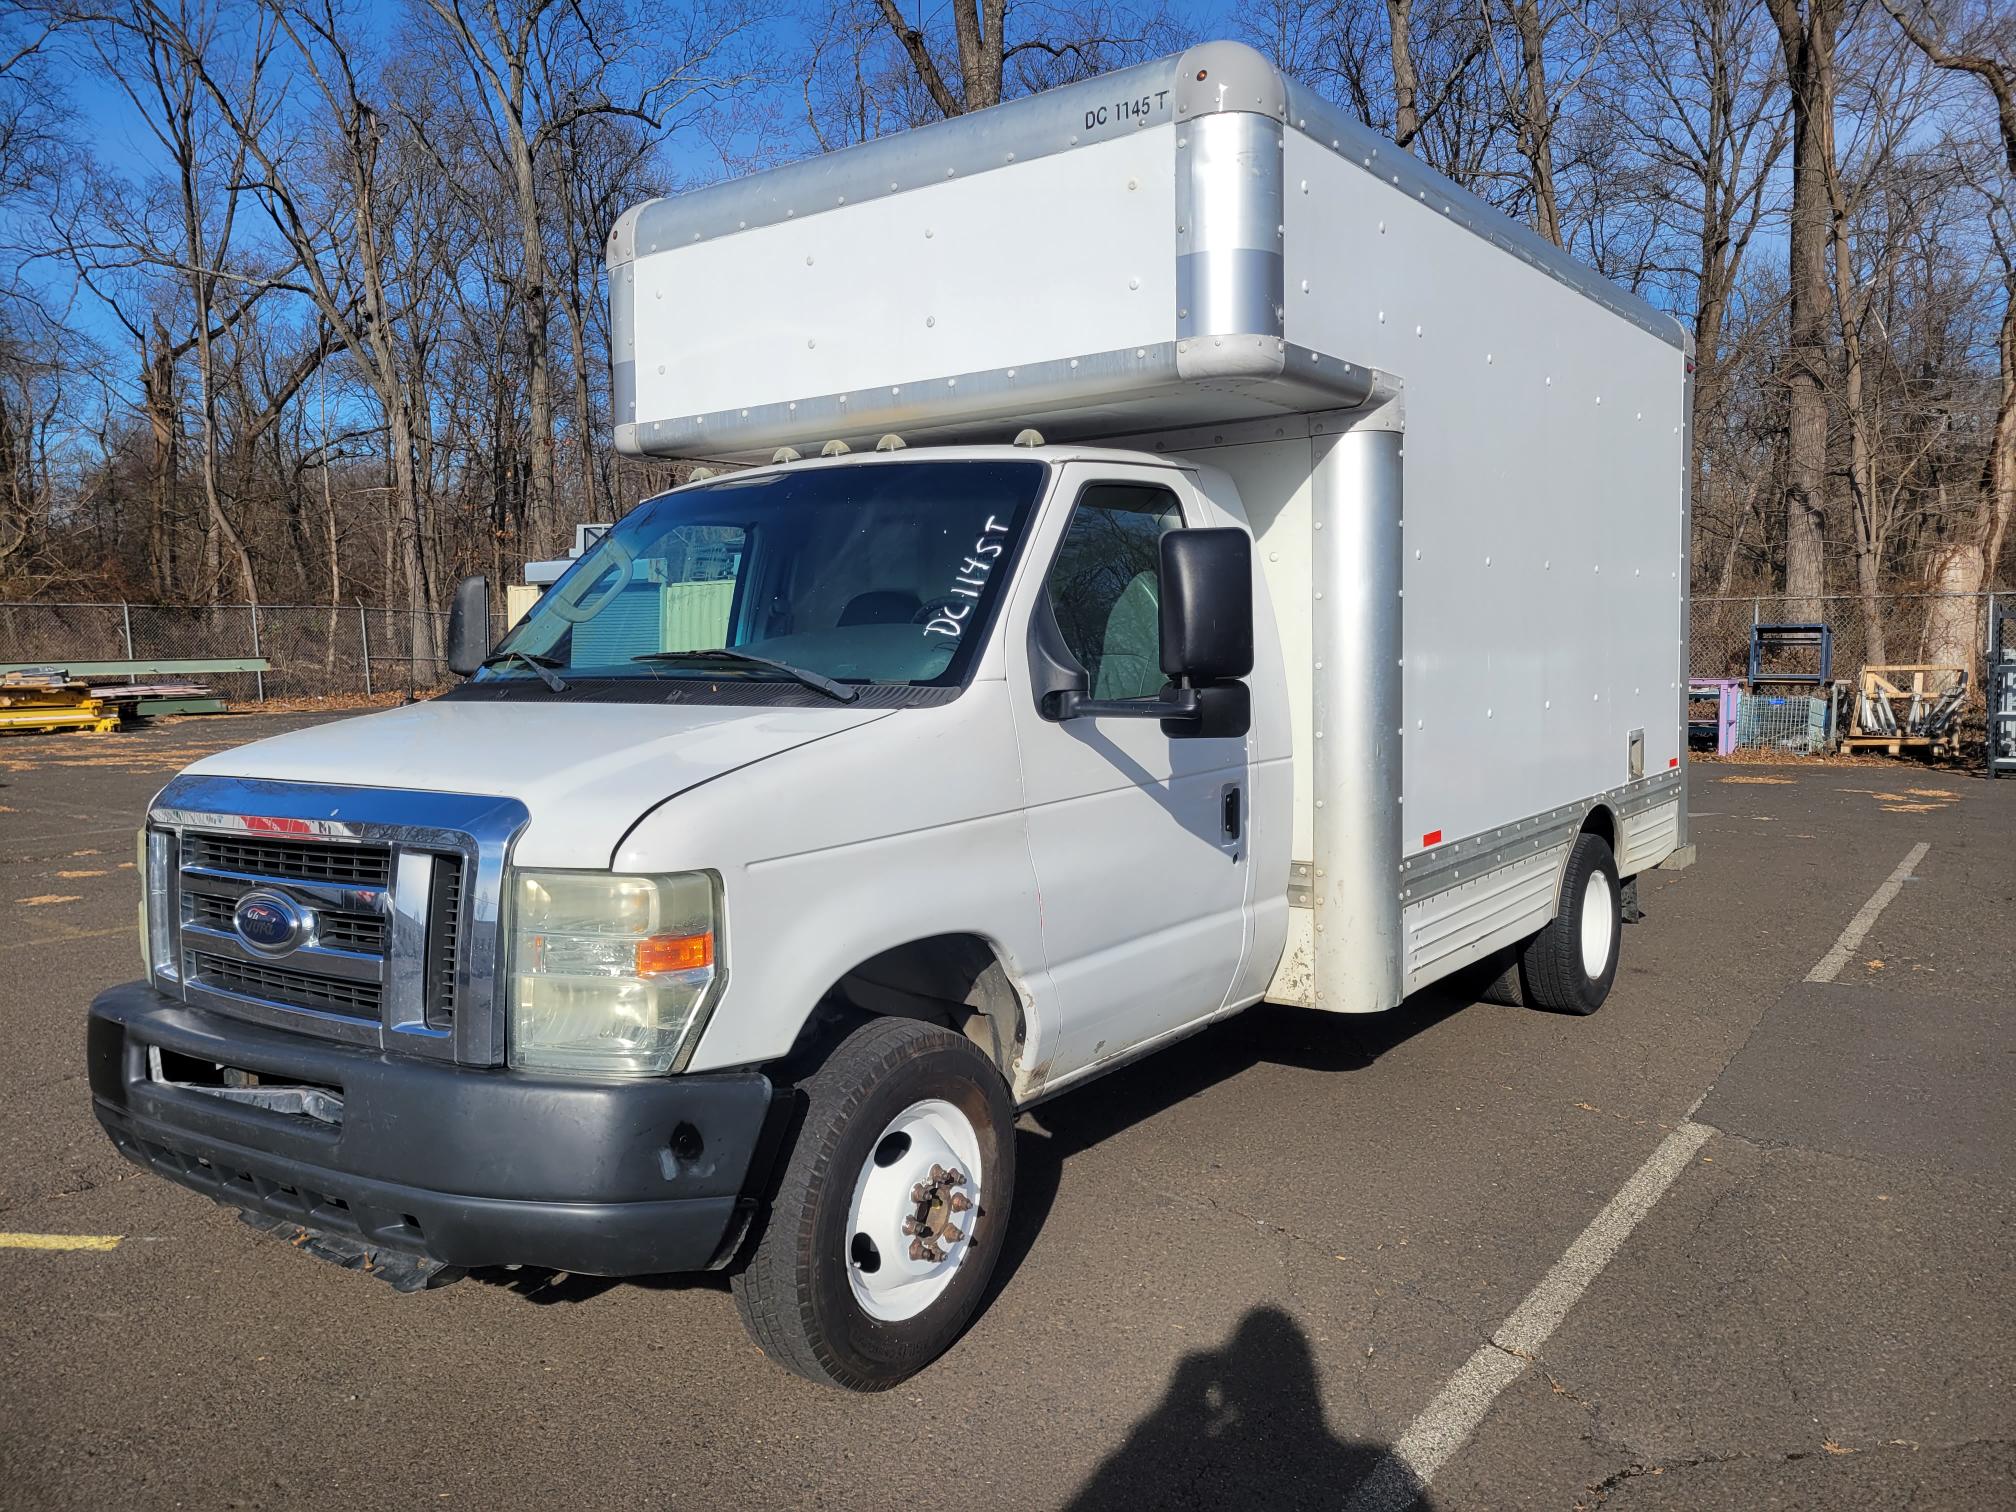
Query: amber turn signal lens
[(661, 953)]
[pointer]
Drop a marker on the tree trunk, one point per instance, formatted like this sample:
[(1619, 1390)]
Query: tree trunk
[(1536, 126), (1406, 84), (535, 310), (157, 387), (1808, 42), (1865, 498)]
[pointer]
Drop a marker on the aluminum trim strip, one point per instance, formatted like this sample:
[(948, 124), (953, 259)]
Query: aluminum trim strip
[(1062, 396), (1457, 861)]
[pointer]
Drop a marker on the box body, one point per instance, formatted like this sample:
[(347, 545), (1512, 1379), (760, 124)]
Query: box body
[(1462, 454)]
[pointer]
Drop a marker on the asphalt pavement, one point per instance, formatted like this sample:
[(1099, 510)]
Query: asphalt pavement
[(1268, 1267)]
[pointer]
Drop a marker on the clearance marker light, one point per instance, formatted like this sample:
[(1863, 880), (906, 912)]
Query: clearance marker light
[(1433, 837)]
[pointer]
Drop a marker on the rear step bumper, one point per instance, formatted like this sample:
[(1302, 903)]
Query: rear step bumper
[(443, 1166)]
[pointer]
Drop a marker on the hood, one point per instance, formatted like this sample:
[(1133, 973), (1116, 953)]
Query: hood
[(587, 772)]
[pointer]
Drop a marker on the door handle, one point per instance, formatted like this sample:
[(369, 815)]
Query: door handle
[(1230, 815)]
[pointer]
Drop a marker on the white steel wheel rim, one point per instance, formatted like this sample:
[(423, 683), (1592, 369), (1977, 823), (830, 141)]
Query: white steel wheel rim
[(1599, 923), (888, 1280)]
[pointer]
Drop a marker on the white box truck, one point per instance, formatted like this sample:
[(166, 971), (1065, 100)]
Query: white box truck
[(1192, 555)]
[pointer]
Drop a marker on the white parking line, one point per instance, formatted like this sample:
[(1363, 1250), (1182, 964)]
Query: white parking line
[(1831, 963), (1405, 1470), (1460, 1406)]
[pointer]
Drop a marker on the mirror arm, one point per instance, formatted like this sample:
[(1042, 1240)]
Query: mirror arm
[(1171, 703)]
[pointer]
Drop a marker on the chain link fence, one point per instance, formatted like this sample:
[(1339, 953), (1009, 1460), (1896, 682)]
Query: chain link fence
[(1719, 642), (312, 650), (318, 650)]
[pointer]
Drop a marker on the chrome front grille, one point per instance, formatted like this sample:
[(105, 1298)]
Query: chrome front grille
[(366, 866), (348, 901), (376, 922), (296, 989), (363, 933)]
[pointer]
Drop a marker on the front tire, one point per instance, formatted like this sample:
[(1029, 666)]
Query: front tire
[(1568, 967), (891, 1210)]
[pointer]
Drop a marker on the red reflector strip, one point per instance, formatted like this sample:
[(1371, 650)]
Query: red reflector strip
[(261, 824), (1433, 837), (1674, 762)]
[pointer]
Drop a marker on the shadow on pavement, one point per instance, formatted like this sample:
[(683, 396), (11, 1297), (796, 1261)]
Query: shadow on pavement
[(1299, 1037), (1241, 1426), (548, 1288)]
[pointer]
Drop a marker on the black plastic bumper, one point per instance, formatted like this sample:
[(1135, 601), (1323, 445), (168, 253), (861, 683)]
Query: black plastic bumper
[(461, 1166)]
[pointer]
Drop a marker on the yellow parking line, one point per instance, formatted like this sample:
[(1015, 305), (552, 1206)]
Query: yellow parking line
[(60, 1241)]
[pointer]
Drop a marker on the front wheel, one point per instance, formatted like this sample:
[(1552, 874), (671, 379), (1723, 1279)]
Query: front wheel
[(1568, 967), (891, 1211)]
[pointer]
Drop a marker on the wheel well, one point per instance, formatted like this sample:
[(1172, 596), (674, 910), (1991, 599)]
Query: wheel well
[(956, 980), (1602, 823)]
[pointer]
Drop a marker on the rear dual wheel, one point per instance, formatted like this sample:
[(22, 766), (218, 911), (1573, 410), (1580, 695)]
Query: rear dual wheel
[(889, 1216)]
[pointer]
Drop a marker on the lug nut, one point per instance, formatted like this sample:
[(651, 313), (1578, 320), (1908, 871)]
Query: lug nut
[(938, 1173), (961, 1202), (917, 1193), (916, 1249), (955, 1178), (951, 1234)]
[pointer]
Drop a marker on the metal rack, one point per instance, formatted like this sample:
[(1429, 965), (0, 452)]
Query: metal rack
[(1999, 683)]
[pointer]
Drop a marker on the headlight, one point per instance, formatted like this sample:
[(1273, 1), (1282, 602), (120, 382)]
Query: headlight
[(610, 974)]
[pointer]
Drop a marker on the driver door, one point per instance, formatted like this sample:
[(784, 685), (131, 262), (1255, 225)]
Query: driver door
[(1137, 837)]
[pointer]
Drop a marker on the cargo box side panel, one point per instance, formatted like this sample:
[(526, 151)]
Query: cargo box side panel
[(1544, 465), (1027, 263)]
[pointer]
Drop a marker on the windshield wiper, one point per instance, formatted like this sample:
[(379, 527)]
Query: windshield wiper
[(817, 682), (541, 666)]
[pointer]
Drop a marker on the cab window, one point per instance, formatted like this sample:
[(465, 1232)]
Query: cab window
[(1105, 586)]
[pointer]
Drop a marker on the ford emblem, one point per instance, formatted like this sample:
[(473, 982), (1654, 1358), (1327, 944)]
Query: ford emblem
[(269, 922)]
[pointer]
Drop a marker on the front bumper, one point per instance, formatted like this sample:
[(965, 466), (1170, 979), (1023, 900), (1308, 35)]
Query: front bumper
[(455, 1165)]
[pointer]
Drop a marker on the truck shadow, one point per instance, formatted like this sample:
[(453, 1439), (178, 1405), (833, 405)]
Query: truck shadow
[(1300, 1037), (1243, 1426)]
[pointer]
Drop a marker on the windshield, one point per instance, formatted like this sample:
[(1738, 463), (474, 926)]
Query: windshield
[(881, 572)]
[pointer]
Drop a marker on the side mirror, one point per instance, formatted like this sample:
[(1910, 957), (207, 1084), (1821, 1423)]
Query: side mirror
[(469, 626), (1207, 605)]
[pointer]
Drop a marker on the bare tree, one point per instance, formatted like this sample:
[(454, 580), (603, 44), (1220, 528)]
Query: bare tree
[(540, 67), (1410, 69), (1983, 48), (1699, 85), (1807, 31), (973, 71)]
